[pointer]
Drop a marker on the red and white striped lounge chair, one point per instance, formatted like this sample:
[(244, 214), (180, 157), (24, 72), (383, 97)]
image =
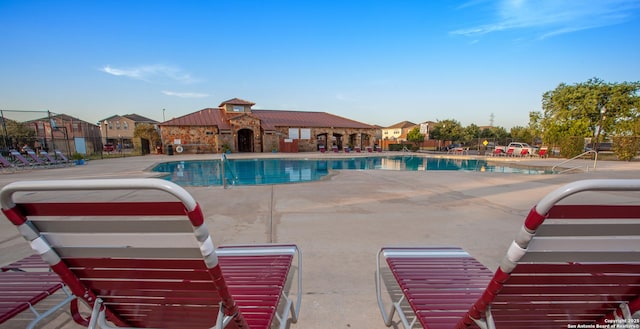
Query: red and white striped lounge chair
[(510, 152), (543, 152), (150, 261), (574, 262), (25, 283)]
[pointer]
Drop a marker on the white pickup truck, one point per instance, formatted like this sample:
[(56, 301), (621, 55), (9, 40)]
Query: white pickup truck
[(517, 148)]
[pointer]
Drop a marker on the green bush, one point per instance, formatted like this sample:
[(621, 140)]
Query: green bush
[(571, 146), (625, 148)]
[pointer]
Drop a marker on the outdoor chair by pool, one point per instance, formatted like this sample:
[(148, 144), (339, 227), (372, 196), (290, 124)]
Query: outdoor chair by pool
[(150, 261), (51, 160), (510, 152), (62, 157), (36, 159), (574, 262), (25, 283), (543, 152), (24, 162), (7, 165)]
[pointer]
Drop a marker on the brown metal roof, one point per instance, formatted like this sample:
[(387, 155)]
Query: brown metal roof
[(403, 124), (237, 101), (204, 117), (272, 119)]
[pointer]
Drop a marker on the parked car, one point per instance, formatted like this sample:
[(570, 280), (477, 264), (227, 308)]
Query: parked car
[(519, 146), (108, 147), (601, 147), (450, 147)]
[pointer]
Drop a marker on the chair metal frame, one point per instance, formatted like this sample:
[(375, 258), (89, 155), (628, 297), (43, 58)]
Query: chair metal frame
[(569, 262), (74, 255)]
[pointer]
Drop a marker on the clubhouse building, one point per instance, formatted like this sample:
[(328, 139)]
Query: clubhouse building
[(236, 127)]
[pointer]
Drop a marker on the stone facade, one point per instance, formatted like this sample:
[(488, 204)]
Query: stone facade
[(234, 127), (192, 139)]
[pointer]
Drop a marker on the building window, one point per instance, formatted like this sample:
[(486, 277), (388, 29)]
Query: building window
[(117, 124), (125, 125), (238, 108), (75, 127)]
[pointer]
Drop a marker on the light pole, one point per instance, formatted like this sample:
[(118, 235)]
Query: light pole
[(106, 132)]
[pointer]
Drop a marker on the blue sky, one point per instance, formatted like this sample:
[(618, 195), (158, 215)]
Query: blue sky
[(378, 62)]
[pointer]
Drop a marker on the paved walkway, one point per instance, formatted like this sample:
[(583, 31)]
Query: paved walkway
[(341, 222)]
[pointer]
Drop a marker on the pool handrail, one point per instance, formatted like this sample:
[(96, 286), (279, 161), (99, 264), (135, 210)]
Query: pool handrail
[(223, 175), (595, 162)]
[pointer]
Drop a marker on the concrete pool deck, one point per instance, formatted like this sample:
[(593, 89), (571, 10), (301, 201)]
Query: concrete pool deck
[(341, 222)]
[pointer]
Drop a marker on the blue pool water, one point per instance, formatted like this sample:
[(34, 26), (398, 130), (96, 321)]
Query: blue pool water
[(281, 171)]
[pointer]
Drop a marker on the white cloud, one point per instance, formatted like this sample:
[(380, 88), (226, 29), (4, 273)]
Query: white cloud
[(552, 17), (151, 73), (184, 95)]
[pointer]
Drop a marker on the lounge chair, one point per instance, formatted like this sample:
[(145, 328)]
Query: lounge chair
[(151, 263), (7, 165), (51, 160), (369, 149), (543, 152), (25, 283), (22, 160), (510, 152), (573, 263), (321, 148), (497, 152), (36, 159), (62, 157), (524, 153)]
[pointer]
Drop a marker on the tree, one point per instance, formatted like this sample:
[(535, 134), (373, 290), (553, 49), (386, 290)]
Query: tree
[(147, 131), (535, 126), (519, 133), (18, 133), (590, 109), (447, 130), (414, 136), (470, 133), (498, 133)]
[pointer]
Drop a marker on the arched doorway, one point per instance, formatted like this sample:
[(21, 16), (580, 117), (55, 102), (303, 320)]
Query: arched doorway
[(245, 140)]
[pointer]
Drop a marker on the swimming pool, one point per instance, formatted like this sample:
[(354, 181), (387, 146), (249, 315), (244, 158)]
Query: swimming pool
[(282, 171)]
